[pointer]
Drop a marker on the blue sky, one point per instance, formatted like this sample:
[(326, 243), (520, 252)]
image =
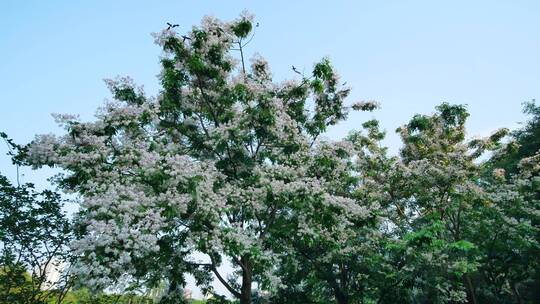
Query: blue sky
[(409, 55)]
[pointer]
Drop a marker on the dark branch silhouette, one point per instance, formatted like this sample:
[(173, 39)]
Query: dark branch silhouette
[(171, 26)]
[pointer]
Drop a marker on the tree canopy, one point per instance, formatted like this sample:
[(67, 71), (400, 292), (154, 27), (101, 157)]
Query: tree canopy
[(227, 164)]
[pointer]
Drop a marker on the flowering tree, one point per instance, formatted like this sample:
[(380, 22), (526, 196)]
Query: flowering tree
[(524, 143), (439, 192), (333, 252), (219, 163), (441, 244), (506, 228), (228, 164), (506, 232)]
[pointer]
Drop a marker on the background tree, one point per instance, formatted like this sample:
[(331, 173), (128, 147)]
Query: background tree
[(441, 195), (508, 224), (34, 234), (524, 142), (506, 233), (333, 253)]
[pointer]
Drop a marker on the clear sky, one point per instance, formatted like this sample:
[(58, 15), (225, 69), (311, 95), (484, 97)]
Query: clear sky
[(409, 55)]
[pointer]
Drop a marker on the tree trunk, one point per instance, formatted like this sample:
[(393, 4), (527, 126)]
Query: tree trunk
[(341, 298), (516, 293), (245, 292), (471, 297), (174, 294)]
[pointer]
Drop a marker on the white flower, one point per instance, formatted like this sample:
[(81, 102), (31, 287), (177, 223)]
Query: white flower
[(499, 173)]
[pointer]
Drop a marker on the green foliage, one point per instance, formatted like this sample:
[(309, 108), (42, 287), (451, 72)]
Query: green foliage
[(525, 142), (229, 164), (242, 28), (34, 233), (83, 296)]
